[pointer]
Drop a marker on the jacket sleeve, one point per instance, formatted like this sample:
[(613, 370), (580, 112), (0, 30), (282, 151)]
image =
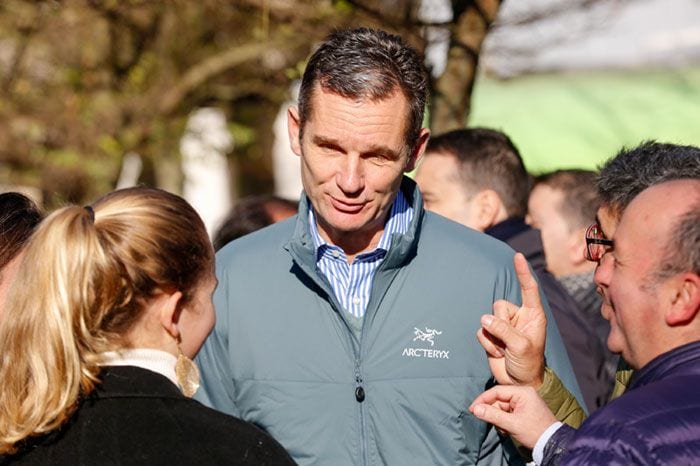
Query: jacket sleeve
[(557, 445), (557, 359), (216, 381), (560, 401), (610, 443)]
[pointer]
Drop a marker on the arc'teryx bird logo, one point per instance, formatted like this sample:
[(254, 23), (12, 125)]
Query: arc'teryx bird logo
[(428, 335)]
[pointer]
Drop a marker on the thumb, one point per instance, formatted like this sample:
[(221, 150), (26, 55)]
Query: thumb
[(493, 415)]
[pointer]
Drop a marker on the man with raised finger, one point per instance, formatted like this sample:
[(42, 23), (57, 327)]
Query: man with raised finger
[(651, 272)]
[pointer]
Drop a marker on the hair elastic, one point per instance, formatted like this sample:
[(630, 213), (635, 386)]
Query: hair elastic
[(91, 213)]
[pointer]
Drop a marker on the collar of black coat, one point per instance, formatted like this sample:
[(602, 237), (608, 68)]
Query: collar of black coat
[(131, 381)]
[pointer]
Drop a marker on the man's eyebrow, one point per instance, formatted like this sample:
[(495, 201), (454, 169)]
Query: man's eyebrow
[(324, 141), (383, 151), (377, 149)]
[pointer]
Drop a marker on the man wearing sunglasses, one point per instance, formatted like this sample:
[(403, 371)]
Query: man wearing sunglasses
[(660, 229)]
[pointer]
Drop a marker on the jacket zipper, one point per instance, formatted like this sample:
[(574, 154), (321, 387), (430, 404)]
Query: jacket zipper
[(360, 398)]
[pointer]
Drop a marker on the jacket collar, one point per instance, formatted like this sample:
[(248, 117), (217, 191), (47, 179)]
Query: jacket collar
[(403, 246), (131, 381), (683, 360)]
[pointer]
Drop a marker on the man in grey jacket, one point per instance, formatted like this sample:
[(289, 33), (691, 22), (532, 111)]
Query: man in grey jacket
[(347, 331)]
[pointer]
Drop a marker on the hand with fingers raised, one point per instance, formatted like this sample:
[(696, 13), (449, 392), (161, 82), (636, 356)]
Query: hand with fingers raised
[(514, 336), (517, 411)]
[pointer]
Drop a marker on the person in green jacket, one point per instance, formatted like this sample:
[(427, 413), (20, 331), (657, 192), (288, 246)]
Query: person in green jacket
[(345, 331)]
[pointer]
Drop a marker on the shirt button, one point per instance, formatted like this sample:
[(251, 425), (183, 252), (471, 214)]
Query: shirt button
[(356, 300), (335, 253)]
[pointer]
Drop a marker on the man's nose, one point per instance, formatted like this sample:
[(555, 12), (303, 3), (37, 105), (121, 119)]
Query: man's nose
[(603, 270), (350, 178)]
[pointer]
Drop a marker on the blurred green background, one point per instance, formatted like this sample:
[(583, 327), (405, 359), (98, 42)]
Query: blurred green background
[(578, 120)]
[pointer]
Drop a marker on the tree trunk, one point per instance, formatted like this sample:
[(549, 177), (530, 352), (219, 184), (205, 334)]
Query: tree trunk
[(451, 101)]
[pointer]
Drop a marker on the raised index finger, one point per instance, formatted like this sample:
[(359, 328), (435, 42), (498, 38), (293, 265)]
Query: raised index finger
[(528, 285)]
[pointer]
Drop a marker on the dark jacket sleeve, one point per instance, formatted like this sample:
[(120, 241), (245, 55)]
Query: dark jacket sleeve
[(557, 445)]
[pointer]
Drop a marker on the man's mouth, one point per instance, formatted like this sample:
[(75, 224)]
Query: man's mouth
[(347, 207)]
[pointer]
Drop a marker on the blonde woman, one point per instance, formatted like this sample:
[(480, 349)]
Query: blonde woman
[(109, 305)]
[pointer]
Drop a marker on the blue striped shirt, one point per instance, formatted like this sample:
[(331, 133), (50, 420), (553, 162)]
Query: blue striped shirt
[(352, 283)]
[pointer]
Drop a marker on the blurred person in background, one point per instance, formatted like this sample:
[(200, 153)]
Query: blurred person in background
[(250, 214), (476, 177), (562, 205), (650, 271), (108, 306), (19, 216)]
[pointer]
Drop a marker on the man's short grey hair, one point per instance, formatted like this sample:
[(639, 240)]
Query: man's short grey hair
[(367, 64), (632, 171)]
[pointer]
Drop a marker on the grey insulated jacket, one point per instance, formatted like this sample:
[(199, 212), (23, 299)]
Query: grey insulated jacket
[(283, 356)]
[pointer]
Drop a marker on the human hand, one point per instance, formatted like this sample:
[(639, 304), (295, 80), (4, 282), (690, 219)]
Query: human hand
[(513, 336), (517, 411)]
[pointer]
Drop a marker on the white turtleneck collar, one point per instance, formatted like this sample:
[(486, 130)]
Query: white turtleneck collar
[(150, 359)]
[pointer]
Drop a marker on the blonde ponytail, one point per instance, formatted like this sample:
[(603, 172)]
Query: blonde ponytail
[(82, 284)]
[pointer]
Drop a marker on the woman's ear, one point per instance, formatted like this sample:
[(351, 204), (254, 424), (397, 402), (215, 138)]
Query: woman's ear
[(169, 309)]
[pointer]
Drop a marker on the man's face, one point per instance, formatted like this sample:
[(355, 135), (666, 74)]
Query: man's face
[(562, 245), (607, 220), (353, 156), (442, 189), (630, 298)]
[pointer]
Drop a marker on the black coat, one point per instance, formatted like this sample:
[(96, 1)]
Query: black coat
[(138, 417)]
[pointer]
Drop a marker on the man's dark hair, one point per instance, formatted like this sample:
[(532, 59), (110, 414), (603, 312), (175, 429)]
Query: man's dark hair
[(488, 159), (370, 65), (250, 214), (19, 217), (632, 171), (580, 198)]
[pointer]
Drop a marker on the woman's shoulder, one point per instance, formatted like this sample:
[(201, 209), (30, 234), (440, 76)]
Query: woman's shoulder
[(157, 430)]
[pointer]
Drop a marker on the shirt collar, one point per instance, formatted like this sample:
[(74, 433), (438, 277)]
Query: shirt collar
[(399, 221)]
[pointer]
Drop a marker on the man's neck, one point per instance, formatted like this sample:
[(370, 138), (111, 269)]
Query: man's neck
[(352, 243)]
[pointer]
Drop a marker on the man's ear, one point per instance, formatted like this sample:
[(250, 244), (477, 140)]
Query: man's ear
[(169, 310), (684, 294), (293, 128), (576, 244), (418, 150), (489, 209)]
